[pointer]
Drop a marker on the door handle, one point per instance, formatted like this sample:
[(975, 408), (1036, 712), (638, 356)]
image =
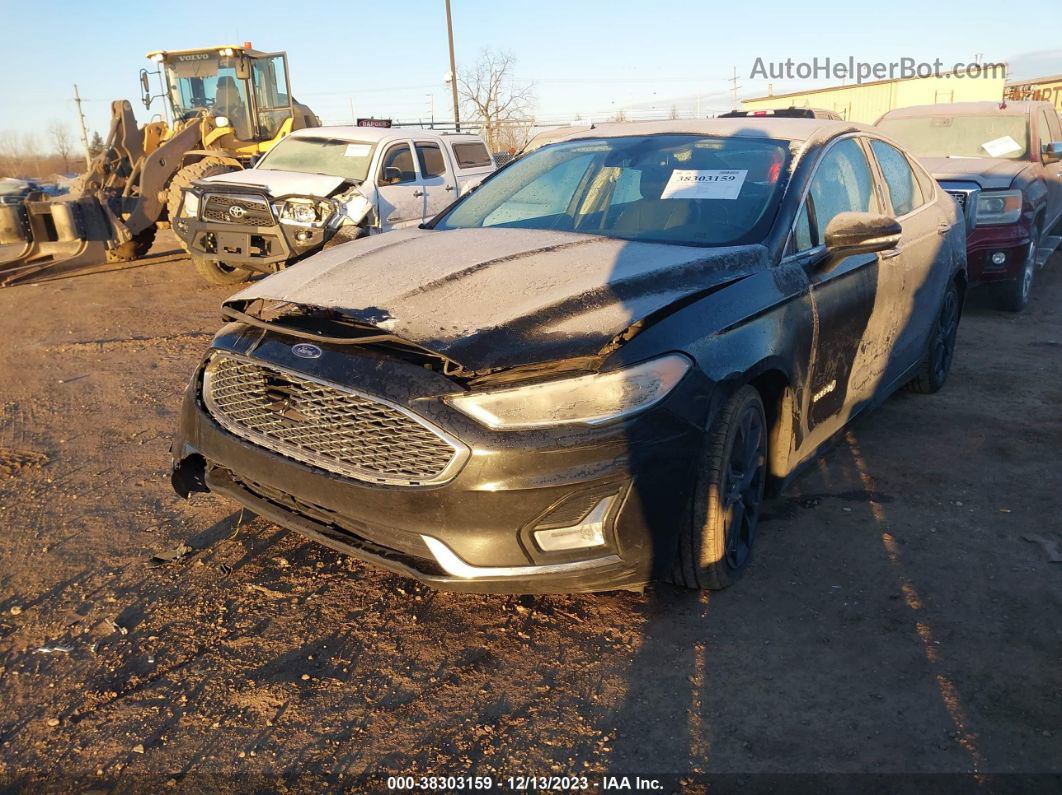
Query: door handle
[(417, 194), (449, 187), (943, 229)]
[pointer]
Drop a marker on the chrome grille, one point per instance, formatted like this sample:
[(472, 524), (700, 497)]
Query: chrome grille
[(326, 425), (217, 207)]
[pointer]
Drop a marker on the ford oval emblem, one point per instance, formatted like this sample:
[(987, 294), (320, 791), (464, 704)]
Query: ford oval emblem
[(305, 350)]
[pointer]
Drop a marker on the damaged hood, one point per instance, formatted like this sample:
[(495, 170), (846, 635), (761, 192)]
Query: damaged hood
[(280, 183), (991, 173), (495, 298)]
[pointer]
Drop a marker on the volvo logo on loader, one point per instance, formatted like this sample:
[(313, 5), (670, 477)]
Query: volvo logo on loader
[(236, 211)]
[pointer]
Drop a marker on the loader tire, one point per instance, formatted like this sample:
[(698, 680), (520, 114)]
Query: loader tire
[(207, 167), (135, 248)]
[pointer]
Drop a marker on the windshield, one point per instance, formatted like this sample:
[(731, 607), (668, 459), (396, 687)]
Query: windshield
[(682, 189), (208, 82), (347, 159), (961, 136)]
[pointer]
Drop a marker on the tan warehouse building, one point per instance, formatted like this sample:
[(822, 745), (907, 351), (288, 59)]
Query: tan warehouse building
[(1043, 89), (866, 102)]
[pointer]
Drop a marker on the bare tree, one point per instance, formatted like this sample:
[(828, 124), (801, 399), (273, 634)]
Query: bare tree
[(62, 142), (494, 100), (31, 152), (619, 115), (673, 113)]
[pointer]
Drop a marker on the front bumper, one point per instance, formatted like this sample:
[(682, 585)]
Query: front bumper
[(474, 532), (259, 248), (1011, 240)]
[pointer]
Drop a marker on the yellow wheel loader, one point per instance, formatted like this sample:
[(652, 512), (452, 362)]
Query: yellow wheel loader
[(229, 104)]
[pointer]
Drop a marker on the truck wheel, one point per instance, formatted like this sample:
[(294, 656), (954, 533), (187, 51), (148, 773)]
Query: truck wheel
[(207, 167), (716, 541), (135, 248), (219, 273), (1013, 296)]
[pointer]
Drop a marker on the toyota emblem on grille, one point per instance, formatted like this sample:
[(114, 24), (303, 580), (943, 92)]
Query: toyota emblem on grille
[(236, 211), (305, 350)]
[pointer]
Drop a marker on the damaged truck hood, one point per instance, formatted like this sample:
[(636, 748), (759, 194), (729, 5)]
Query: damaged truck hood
[(499, 298), (280, 183)]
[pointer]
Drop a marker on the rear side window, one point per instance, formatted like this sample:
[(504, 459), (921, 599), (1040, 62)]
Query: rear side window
[(431, 160), (471, 155), (903, 187), (397, 166), (842, 183)]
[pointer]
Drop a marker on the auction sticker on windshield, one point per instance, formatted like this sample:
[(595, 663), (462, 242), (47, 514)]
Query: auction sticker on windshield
[(704, 184), (998, 147), (357, 150)]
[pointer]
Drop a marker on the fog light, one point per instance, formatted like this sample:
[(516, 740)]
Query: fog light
[(590, 532), (999, 258), (303, 236)]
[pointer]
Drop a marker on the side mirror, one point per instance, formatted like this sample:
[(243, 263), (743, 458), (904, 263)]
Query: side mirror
[(1052, 152), (145, 84), (861, 233), (392, 174)]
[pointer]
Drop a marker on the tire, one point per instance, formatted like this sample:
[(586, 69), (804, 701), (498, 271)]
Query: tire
[(940, 351), (344, 235), (1013, 296), (207, 167), (219, 273), (135, 248), (715, 544)]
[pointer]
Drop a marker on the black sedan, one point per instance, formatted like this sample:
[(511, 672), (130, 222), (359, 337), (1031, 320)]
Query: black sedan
[(585, 374)]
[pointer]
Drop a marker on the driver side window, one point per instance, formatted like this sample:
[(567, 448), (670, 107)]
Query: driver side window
[(396, 168), (842, 183)]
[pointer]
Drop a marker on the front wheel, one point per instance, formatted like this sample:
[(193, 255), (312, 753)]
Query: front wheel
[(1014, 294), (219, 273), (715, 546)]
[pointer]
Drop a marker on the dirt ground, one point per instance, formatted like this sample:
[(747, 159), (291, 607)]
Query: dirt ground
[(896, 618)]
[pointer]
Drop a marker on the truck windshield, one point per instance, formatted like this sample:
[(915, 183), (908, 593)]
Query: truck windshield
[(997, 135), (336, 158), (207, 82), (682, 189)]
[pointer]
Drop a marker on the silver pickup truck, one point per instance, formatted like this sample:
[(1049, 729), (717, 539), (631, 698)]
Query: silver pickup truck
[(320, 187)]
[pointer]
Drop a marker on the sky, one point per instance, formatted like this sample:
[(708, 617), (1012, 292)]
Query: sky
[(586, 58)]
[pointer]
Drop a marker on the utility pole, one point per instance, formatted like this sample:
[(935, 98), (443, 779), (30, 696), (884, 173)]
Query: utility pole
[(353, 120), (453, 67), (734, 86), (84, 132)]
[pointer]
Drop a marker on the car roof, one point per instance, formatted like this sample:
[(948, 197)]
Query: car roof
[(789, 129), (963, 109), (377, 134)]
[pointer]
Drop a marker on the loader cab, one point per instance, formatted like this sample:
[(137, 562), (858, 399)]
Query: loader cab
[(235, 87)]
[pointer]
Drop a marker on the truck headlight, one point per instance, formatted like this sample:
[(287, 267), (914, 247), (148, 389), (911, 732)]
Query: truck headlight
[(221, 121), (306, 212), (190, 206), (998, 207), (586, 399)]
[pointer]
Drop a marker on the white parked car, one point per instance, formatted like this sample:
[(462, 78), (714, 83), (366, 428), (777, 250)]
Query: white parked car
[(322, 186)]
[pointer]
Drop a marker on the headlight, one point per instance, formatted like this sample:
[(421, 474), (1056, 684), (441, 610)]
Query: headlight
[(221, 121), (305, 211), (588, 399), (190, 208), (998, 207)]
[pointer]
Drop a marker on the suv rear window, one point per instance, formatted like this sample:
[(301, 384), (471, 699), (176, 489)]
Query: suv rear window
[(471, 155)]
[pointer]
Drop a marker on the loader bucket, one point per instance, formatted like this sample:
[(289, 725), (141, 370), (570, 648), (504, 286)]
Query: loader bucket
[(40, 238)]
